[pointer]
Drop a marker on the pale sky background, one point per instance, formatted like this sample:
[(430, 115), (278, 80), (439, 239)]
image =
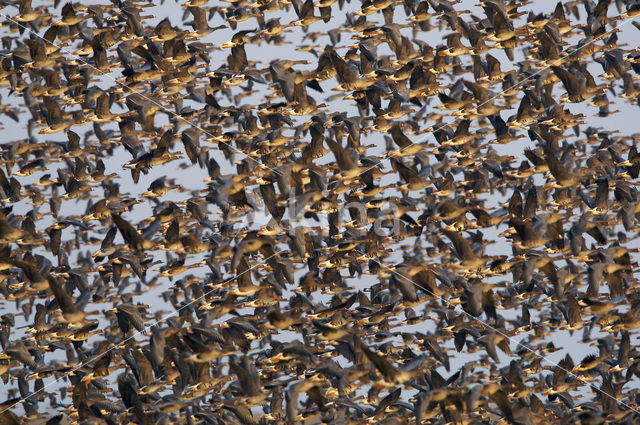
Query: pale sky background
[(625, 121)]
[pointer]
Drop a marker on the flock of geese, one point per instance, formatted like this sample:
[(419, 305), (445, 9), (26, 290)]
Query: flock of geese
[(441, 215)]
